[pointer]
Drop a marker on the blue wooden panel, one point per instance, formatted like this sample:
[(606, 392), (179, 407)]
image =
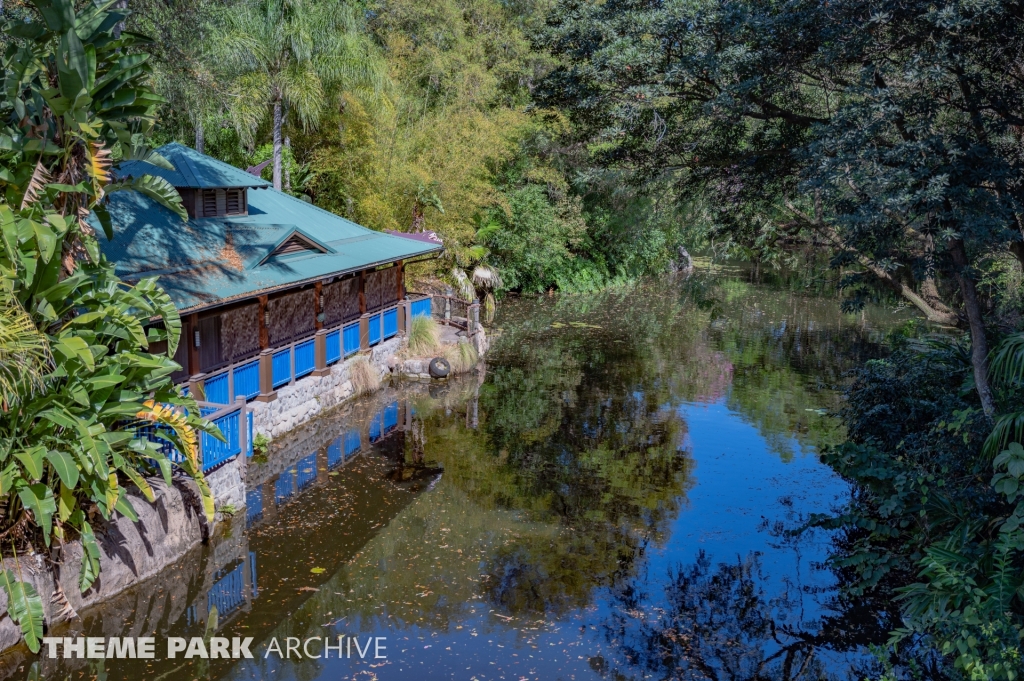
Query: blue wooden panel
[(247, 380), (390, 416), (334, 455), (305, 358), (375, 431), (216, 389), (283, 488), (333, 342), (420, 308), (282, 367), (351, 333), (352, 443), (228, 592), (375, 329), (390, 322), (216, 452), (254, 506), (306, 471)]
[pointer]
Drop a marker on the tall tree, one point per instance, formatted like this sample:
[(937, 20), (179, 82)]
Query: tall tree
[(299, 55), (889, 130)]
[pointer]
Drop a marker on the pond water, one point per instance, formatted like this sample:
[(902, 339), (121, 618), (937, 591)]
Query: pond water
[(609, 498)]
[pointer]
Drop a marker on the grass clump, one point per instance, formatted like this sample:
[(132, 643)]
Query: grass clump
[(424, 336), (365, 379), (462, 356)]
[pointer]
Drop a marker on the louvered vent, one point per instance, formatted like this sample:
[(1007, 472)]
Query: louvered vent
[(210, 202), (294, 245), (234, 202)]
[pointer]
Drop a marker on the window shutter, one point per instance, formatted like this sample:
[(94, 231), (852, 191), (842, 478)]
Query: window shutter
[(209, 203), (234, 202)]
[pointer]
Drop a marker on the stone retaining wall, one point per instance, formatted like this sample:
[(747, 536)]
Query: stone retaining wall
[(130, 552), (168, 529)]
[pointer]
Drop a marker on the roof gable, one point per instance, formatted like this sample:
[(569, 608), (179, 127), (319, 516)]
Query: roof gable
[(192, 170), (295, 242)]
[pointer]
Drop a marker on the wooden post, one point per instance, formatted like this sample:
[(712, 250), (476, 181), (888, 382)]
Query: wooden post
[(400, 278), (403, 317), (291, 357), (364, 332), (196, 387), (267, 393), (362, 292), (264, 331), (318, 309), (320, 353), (243, 431), (473, 314)]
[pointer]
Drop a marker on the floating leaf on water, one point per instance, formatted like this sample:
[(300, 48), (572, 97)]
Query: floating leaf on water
[(318, 570)]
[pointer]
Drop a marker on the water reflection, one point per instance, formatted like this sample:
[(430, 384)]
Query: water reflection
[(607, 499)]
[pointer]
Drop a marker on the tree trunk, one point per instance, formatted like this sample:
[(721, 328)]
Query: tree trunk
[(277, 144), (1017, 248), (417, 217), (931, 313), (200, 137), (979, 345), (940, 316), (287, 170)]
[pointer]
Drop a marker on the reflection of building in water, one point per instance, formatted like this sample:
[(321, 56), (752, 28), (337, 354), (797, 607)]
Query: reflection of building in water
[(319, 458), (251, 576)]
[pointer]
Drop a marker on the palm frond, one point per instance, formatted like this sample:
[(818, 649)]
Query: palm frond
[(24, 353), (463, 284), (1007, 363), (487, 277), (40, 178)]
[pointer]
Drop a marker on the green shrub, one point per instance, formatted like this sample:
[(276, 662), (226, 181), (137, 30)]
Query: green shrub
[(68, 443)]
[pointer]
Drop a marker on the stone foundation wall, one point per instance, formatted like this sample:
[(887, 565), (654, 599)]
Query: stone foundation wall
[(228, 483)]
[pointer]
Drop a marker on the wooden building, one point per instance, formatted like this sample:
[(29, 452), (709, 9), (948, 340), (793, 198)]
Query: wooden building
[(270, 288)]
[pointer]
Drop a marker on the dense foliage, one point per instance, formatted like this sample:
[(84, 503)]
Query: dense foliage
[(75, 97), (416, 115)]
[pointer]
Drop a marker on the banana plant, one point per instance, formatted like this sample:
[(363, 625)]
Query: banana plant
[(76, 99)]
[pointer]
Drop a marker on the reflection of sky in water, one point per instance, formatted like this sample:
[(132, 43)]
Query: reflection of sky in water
[(740, 484), (543, 476)]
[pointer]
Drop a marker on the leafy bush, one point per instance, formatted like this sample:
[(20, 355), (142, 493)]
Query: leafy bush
[(68, 442), (929, 523)]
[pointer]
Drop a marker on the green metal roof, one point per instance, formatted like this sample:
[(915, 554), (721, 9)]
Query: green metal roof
[(194, 170), (209, 261)]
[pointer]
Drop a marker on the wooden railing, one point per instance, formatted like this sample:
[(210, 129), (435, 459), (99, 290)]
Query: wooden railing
[(234, 422), (259, 376), (453, 311)]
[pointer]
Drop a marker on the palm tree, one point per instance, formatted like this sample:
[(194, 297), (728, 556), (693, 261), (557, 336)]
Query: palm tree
[(295, 54)]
